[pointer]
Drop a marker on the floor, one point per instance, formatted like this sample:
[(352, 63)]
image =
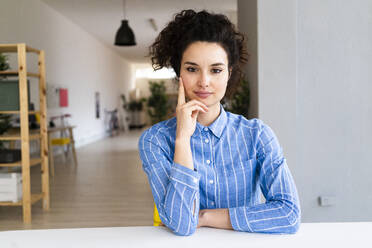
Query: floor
[(107, 188)]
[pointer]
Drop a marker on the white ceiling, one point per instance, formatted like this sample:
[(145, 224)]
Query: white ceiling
[(102, 18)]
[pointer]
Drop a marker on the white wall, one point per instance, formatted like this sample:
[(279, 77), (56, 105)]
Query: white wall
[(272, 66), (314, 81), (334, 115), (74, 60)]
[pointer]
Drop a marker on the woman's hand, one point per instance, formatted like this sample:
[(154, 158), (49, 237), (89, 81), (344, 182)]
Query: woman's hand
[(202, 218), (217, 218), (187, 113)]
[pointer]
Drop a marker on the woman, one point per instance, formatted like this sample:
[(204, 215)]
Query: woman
[(206, 166)]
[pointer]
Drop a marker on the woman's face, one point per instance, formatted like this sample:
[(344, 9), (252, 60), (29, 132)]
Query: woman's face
[(204, 71)]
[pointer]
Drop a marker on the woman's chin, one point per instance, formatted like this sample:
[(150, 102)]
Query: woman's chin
[(208, 101), (205, 101)]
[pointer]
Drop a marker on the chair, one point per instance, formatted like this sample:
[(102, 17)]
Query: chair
[(157, 220), (64, 140)]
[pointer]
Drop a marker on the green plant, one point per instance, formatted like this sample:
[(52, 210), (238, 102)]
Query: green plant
[(141, 103), (157, 102), (4, 125), (238, 103), (4, 65), (136, 105)]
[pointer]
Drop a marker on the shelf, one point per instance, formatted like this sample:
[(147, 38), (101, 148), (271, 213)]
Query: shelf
[(15, 74), (32, 112), (33, 161), (34, 198), (20, 73), (12, 48), (17, 136)]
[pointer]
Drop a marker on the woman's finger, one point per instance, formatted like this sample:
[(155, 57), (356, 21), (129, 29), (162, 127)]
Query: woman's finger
[(196, 102), (196, 108), (195, 114), (181, 93), (189, 109)]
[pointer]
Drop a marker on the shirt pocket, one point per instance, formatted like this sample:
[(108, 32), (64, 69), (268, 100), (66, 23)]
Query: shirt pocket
[(237, 167), (237, 180)]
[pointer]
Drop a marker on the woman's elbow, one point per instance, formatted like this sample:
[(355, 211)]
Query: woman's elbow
[(294, 217), (185, 230), (290, 221), (185, 233), (294, 229), (294, 221)]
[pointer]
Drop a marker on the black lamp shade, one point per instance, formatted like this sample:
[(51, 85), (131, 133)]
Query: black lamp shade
[(125, 36)]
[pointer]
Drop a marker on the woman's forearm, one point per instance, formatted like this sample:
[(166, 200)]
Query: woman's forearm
[(182, 152), (218, 218)]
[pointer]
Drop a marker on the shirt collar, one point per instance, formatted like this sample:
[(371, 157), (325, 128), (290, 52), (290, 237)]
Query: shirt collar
[(218, 125)]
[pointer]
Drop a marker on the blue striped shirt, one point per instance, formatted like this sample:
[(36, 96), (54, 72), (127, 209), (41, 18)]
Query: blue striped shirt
[(234, 159)]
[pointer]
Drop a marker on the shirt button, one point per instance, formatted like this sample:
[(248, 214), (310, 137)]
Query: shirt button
[(211, 181), (212, 203), (206, 129), (208, 161), (206, 140), (195, 180)]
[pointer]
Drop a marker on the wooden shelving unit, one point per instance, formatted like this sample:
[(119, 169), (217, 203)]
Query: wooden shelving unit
[(24, 134)]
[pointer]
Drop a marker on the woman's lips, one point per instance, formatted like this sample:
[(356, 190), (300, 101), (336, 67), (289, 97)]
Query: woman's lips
[(202, 94)]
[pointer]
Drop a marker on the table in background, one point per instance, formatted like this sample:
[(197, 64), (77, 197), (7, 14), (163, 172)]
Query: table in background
[(352, 234)]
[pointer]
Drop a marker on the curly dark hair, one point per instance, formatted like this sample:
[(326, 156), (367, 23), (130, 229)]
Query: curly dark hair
[(189, 26)]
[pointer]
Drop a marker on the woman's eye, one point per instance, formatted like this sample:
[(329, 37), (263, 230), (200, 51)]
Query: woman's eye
[(191, 69), (216, 70)]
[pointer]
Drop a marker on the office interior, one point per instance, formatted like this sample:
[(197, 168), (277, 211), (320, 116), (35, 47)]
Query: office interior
[(309, 76)]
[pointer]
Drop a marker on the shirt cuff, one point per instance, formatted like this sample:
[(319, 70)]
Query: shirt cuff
[(236, 215), (185, 176)]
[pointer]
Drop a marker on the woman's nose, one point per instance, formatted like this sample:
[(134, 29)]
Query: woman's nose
[(204, 80)]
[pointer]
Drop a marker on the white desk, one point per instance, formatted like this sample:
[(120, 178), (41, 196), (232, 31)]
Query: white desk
[(310, 235)]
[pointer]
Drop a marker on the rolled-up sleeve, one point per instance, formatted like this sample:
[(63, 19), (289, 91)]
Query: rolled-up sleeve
[(281, 212), (175, 188)]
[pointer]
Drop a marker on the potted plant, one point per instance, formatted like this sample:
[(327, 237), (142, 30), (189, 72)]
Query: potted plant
[(238, 103), (136, 107), (7, 155), (4, 65), (4, 124), (157, 103)]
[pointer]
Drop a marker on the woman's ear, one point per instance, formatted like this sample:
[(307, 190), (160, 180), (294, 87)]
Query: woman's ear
[(230, 72)]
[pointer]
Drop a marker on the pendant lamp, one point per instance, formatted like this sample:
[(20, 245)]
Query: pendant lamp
[(124, 35)]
